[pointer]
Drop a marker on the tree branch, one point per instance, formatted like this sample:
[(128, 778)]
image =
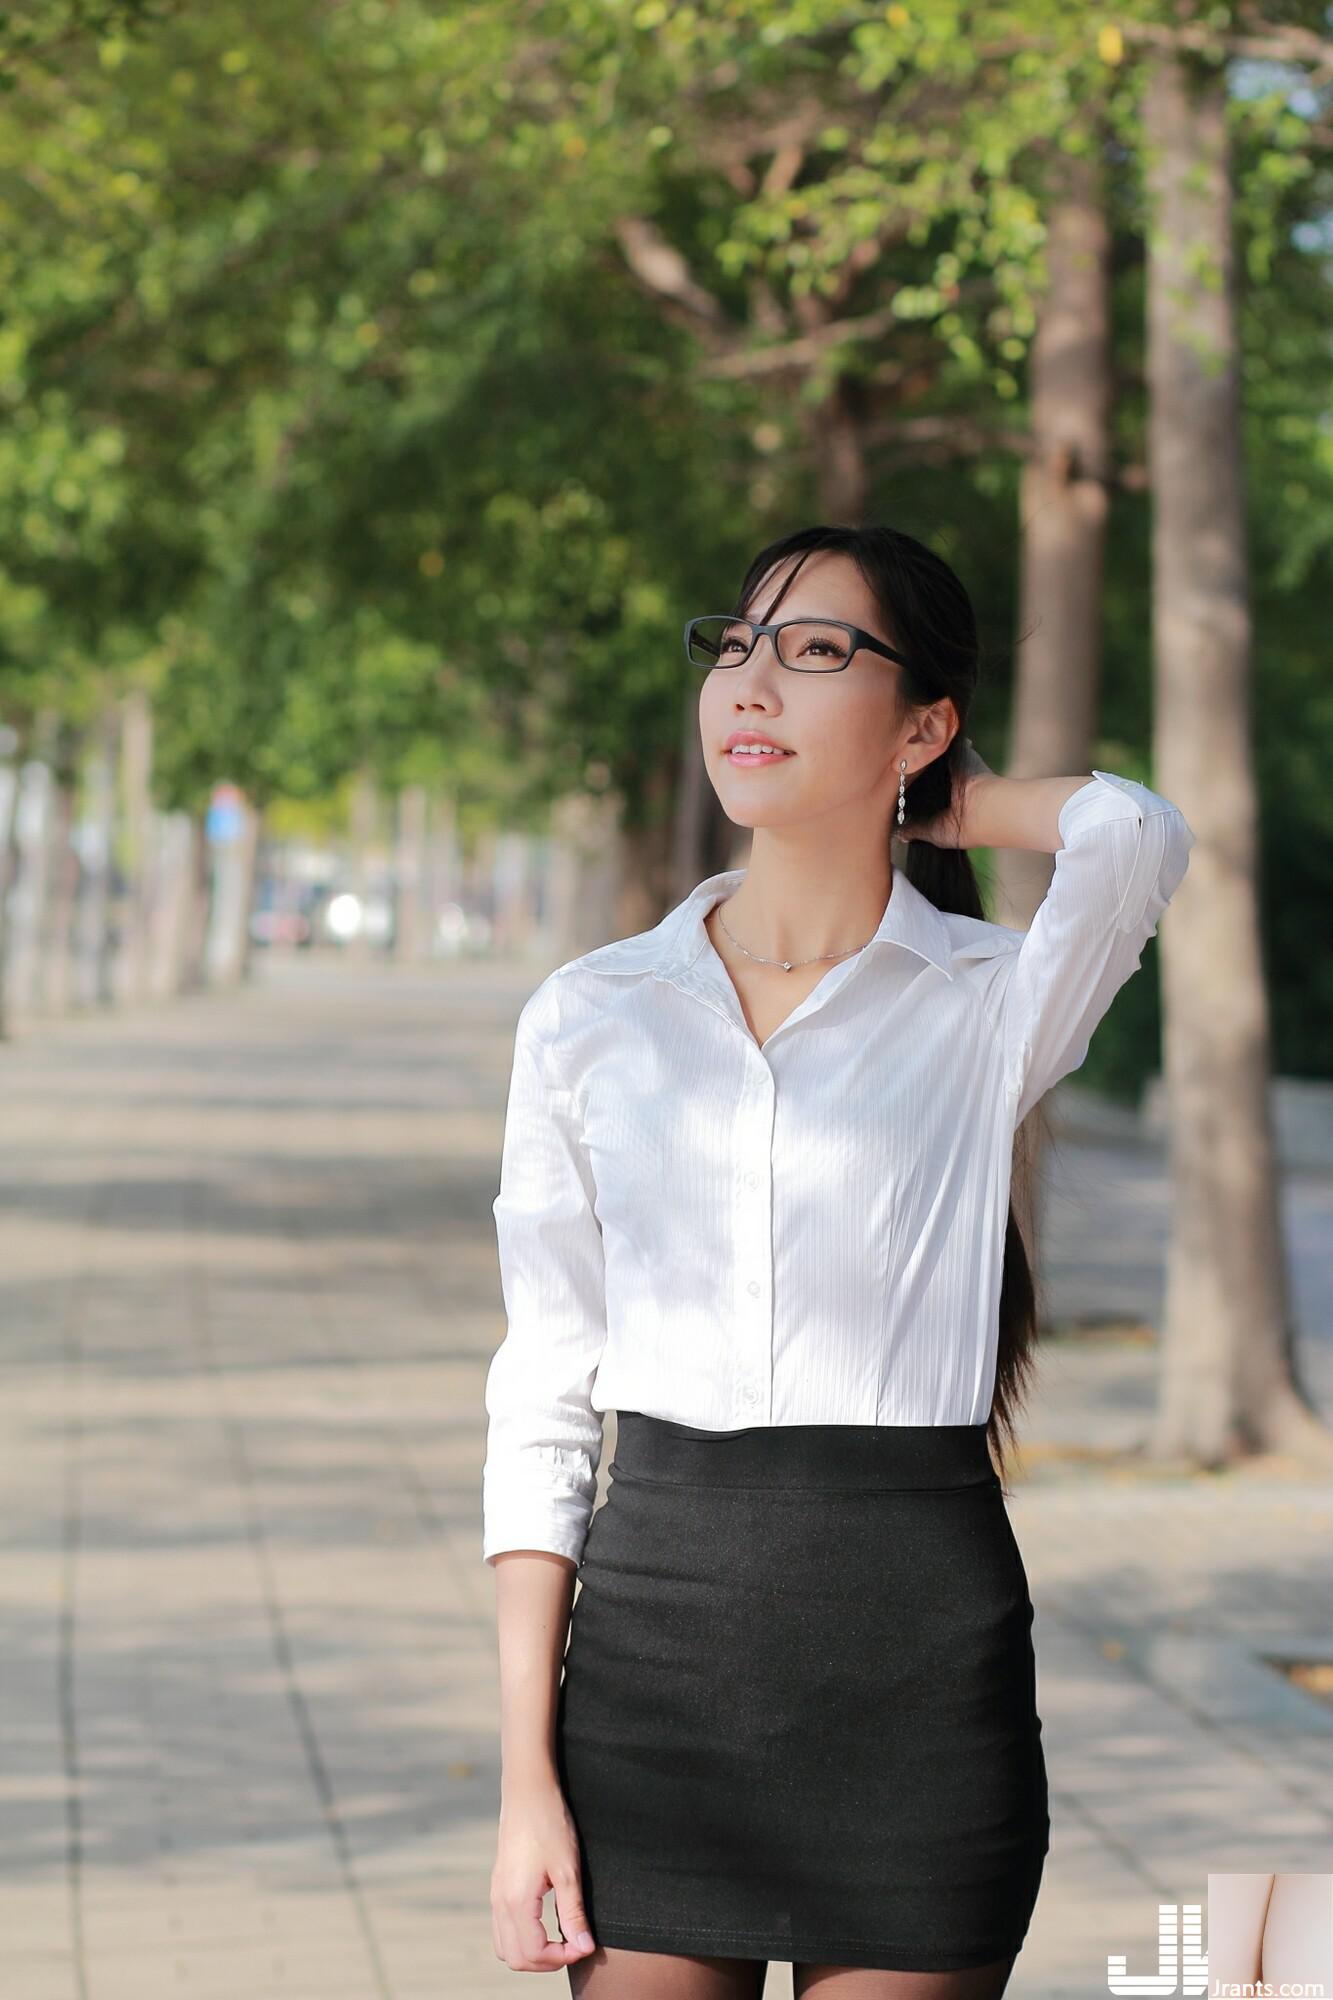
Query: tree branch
[(661, 270), (940, 438), (751, 363)]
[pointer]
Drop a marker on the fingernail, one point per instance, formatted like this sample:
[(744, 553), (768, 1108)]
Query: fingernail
[(585, 1941)]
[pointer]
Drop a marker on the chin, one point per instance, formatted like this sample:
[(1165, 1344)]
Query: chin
[(755, 812)]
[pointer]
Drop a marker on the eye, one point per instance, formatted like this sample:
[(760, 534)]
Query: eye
[(818, 642)]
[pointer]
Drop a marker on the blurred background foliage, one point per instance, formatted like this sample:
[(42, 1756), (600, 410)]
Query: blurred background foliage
[(383, 383)]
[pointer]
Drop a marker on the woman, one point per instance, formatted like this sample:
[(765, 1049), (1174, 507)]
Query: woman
[(754, 1197)]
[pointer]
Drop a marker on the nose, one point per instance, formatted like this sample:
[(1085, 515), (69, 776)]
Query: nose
[(764, 652)]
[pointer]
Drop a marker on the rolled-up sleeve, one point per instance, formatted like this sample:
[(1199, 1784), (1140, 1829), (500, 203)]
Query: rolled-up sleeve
[(544, 1439), (1125, 851)]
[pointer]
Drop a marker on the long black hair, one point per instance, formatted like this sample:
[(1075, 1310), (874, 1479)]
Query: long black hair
[(926, 614)]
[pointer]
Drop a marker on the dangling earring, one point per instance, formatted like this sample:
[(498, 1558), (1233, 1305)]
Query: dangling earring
[(902, 790)]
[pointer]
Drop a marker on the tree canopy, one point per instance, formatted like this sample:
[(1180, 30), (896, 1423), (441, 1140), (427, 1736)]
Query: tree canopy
[(384, 382)]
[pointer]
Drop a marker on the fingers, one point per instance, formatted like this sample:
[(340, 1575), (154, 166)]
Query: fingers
[(928, 832), (571, 1912), (524, 1945), (518, 1933)]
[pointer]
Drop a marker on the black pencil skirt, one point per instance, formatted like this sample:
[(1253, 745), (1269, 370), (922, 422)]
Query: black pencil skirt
[(797, 1718)]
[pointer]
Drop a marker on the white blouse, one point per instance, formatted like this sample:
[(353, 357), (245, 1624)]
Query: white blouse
[(810, 1230)]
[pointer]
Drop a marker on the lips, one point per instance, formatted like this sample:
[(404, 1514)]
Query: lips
[(755, 746)]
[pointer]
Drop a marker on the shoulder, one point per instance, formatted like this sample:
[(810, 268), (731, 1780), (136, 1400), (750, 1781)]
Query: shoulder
[(575, 993), (591, 980)]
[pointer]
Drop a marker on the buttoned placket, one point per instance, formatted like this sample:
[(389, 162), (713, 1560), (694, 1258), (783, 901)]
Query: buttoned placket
[(752, 1225), (706, 979)]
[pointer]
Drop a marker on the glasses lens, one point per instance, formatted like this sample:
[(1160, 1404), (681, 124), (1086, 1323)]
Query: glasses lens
[(815, 648), (719, 642)]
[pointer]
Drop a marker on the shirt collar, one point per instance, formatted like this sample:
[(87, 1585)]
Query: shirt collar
[(910, 919)]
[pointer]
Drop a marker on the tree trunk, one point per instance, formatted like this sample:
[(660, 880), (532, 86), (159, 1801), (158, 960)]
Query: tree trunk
[(647, 874), (585, 874), (703, 839), (364, 815), (1227, 1382), (252, 847), (693, 791), (173, 903), (838, 452), (11, 758), (94, 955), (57, 944), (136, 834), (235, 871), (1063, 511), (412, 923), (39, 811), (194, 945), (447, 895)]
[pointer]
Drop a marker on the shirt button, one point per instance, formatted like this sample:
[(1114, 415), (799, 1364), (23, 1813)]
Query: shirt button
[(752, 1180), (753, 1288), (752, 1395)]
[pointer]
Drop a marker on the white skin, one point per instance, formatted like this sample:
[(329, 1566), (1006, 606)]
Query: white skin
[(837, 796), (1274, 1929)]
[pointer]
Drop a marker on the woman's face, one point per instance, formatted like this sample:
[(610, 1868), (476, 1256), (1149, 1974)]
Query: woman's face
[(843, 729)]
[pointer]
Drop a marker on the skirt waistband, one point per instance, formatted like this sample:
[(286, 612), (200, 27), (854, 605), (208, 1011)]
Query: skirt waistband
[(859, 1456)]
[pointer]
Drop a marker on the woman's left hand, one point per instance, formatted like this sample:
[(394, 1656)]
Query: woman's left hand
[(950, 828)]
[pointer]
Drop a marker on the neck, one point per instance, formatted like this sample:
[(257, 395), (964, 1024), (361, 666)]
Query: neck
[(790, 906)]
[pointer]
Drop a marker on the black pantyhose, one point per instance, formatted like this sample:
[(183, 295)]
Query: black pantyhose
[(608, 1974), (847, 1982)]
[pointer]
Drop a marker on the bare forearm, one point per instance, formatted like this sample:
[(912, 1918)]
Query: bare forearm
[(534, 1597), (1016, 812)]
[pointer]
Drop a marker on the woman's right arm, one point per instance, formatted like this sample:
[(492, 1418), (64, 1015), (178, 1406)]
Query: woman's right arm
[(544, 1439), (544, 1444), (538, 1845)]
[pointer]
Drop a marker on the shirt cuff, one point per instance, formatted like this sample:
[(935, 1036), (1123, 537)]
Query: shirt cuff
[(554, 1519), (1148, 862), (1106, 797)]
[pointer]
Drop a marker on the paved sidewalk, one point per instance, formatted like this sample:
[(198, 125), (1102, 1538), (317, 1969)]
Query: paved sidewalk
[(247, 1662)]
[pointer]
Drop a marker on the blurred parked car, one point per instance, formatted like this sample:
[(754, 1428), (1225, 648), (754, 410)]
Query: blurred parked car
[(281, 912), (346, 915)]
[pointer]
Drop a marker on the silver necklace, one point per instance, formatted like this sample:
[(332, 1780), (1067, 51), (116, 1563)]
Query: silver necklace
[(787, 964)]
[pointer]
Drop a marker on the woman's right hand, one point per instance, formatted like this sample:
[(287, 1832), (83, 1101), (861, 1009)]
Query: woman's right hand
[(537, 1850)]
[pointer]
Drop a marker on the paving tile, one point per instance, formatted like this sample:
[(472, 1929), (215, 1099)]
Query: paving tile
[(248, 1696)]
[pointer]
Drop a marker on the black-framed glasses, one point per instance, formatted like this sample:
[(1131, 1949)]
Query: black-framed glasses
[(806, 645)]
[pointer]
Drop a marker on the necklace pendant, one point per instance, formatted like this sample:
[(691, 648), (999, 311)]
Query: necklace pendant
[(786, 965)]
